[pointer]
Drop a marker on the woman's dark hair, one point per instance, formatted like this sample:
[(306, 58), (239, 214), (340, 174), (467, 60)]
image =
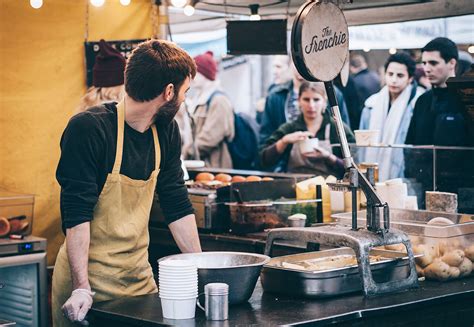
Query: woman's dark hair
[(404, 59), (155, 64), (447, 48)]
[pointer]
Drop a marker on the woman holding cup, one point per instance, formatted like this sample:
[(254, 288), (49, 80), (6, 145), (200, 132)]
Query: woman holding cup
[(304, 146)]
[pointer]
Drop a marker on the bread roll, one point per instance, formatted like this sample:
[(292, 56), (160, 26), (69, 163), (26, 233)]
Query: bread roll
[(224, 178), (238, 179), (204, 177), (253, 178)]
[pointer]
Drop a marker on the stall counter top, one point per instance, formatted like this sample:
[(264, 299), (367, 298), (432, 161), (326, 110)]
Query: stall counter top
[(432, 304)]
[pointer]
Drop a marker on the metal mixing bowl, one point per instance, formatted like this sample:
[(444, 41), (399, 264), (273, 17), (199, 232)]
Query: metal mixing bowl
[(239, 270)]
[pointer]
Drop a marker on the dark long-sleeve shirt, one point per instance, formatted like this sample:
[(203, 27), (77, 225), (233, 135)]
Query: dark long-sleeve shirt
[(438, 120), (88, 147)]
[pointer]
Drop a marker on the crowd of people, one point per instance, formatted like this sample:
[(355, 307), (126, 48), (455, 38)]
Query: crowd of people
[(409, 104), (126, 146)]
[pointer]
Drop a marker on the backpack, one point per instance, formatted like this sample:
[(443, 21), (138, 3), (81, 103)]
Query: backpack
[(244, 147)]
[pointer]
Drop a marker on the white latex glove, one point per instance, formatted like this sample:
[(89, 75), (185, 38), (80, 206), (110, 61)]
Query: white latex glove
[(78, 304)]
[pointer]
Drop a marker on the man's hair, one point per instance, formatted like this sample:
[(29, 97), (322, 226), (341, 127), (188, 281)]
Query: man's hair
[(357, 61), (404, 59), (447, 48), (155, 64)]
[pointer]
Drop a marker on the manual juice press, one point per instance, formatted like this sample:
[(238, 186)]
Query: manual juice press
[(318, 57)]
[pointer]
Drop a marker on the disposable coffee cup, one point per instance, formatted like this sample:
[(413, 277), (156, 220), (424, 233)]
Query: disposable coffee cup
[(178, 308), (367, 136), (297, 220), (308, 145)]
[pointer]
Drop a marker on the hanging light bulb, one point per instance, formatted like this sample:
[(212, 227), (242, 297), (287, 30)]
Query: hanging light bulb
[(254, 12), (392, 51), (37, 4), (97, 3), (179, 3), (189, 10), (125, 2)]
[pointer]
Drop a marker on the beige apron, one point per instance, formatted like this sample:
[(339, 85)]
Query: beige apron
[(297, 163), (118, 252)]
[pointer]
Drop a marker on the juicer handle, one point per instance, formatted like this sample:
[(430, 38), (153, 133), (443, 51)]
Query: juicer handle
[(302, 234)]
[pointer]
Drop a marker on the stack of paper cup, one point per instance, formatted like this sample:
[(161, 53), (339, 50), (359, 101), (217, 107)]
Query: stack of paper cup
[(397, 193), (178, 288)]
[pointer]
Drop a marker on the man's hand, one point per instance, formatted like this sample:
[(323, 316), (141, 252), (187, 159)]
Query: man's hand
[(78, 304)]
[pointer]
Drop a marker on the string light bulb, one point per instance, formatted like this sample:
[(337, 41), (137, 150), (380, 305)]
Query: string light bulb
[(125, 2), (189, 10), (97, 3), (254, 12), (36, 4), (178, 3)]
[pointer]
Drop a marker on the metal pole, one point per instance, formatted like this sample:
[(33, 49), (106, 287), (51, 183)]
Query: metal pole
[(339, 125)]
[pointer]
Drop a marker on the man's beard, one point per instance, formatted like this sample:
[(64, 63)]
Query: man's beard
[(166, 113)]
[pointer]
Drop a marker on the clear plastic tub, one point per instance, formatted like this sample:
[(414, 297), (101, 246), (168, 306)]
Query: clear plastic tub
[(256, 216), (18, 210), (445, 240)]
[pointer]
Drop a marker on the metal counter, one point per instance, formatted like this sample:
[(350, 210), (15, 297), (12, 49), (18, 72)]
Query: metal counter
[(433, 304)]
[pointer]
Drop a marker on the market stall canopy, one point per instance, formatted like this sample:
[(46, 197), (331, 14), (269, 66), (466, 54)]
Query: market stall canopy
[(406, 35), (360, 12)]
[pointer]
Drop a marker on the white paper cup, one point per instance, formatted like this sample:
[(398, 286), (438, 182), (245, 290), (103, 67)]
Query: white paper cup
[(297, 220), (177, 274), (397, 195), (337, 201), (164, 286), (367, 136), (382, 191), (411, 202), (178, 296), (174, 279), (176, 263), (178, 309), (308, 145), (169, 286)]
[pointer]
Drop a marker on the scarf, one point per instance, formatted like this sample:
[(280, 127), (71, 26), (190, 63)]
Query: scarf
[(388, 122)]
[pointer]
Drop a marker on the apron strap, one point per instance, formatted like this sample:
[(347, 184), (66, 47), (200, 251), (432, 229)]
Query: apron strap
[(120, 131), (327, 132), (157, 147)]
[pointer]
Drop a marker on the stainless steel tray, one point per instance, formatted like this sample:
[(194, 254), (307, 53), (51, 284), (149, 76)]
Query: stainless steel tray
[(325, 283)]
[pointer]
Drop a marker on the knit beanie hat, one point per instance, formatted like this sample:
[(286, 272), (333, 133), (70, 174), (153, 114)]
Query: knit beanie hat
[(206, 65), (109, 66)]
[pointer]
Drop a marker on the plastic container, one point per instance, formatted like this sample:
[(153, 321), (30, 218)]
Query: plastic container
[(18, 210), (439, 240), (367, 136), (252, 217)]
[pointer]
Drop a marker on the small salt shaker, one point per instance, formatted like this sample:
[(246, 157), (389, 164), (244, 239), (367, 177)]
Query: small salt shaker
[(216, 301)]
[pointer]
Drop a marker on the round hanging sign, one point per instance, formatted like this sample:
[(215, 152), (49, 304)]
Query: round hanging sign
[(319, 41)]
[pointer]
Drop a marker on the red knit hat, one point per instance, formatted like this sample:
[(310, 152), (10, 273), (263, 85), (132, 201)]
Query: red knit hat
[(206, 65), (109, 66)]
